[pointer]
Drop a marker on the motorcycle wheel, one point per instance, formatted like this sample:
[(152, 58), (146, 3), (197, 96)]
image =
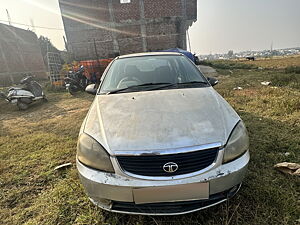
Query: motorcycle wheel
[(72, 90), (45, 99), (22, 105)]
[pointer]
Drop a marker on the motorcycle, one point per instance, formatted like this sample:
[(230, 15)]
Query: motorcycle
[(76, 81), (30, 92)]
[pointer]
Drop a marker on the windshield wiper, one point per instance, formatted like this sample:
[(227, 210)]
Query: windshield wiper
[(151, 84), (177, 84), (193, 82), (165, 85), (136, 86)]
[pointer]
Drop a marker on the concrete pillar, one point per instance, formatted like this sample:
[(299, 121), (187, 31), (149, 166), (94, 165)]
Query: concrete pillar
[(183, 24), (143, 26), (113, 27)]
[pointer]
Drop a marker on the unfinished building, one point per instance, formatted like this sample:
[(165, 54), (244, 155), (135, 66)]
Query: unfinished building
[(20, 53), (106, 28)]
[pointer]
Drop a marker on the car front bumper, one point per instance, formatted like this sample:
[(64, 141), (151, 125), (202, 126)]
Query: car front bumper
[(115, 192)]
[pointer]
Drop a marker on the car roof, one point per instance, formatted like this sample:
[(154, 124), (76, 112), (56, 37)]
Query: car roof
[(149, 54)]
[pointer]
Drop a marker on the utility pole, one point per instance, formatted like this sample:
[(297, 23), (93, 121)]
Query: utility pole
[(271, 53), (8, 17), (272, 47), (96, 52), (32, 25)]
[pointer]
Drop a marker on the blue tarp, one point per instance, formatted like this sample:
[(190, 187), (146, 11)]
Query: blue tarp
[(186, 53)]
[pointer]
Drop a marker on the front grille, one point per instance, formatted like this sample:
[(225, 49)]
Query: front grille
[(153, 165), (172, 207)]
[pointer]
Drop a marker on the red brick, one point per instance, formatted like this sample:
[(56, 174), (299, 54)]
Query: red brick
[(127, 11), (162, 8)]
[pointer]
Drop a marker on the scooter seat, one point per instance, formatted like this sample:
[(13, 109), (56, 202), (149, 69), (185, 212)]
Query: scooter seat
[(34, 88)]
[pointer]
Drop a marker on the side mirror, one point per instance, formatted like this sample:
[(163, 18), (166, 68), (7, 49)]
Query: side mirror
[(197, 61), (213, 81), (91, 89)]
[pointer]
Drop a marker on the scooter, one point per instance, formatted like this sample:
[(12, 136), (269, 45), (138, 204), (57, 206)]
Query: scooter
[(30, 92), (76, 81)]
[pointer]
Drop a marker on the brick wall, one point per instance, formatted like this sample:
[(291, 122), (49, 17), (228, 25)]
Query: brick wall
[(130, 45), (141, 25), (85, 10), (163, 28), (160, 42), (19, 53), (191, 9), (128, 31), (162, 8), (123, 12)]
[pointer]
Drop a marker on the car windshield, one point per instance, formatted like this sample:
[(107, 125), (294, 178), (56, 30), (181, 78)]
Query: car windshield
[(147, 73)]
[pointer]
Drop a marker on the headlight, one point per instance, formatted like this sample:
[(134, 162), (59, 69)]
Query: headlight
[(92, 154), (237, 144)]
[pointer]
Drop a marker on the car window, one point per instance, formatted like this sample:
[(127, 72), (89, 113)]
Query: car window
[(136, 71), (150, 65)]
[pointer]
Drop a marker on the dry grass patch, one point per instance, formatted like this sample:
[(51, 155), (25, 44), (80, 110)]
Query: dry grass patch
[(275, 62)]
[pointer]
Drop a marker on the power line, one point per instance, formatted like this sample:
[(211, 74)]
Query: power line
[(23, 24)]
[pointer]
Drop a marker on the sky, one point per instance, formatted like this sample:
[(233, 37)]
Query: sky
[(222, 25)]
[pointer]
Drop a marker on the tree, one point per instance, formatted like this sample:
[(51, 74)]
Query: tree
[(46, 45)]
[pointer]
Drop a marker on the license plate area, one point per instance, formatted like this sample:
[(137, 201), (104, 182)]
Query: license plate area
[(173, 193)]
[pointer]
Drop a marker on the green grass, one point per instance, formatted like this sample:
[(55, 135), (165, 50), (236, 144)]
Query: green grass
[(293, 69), (229, 65), (34, 142)]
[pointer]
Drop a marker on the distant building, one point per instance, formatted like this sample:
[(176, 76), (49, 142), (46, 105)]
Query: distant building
[(106, 28), (20, 53)]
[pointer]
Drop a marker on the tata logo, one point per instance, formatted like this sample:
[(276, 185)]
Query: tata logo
[(170, 167)]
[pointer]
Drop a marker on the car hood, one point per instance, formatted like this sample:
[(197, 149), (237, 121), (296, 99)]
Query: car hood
[(163, 119)]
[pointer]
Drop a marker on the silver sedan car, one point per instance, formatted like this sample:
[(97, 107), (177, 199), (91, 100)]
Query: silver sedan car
[(159, 140)]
